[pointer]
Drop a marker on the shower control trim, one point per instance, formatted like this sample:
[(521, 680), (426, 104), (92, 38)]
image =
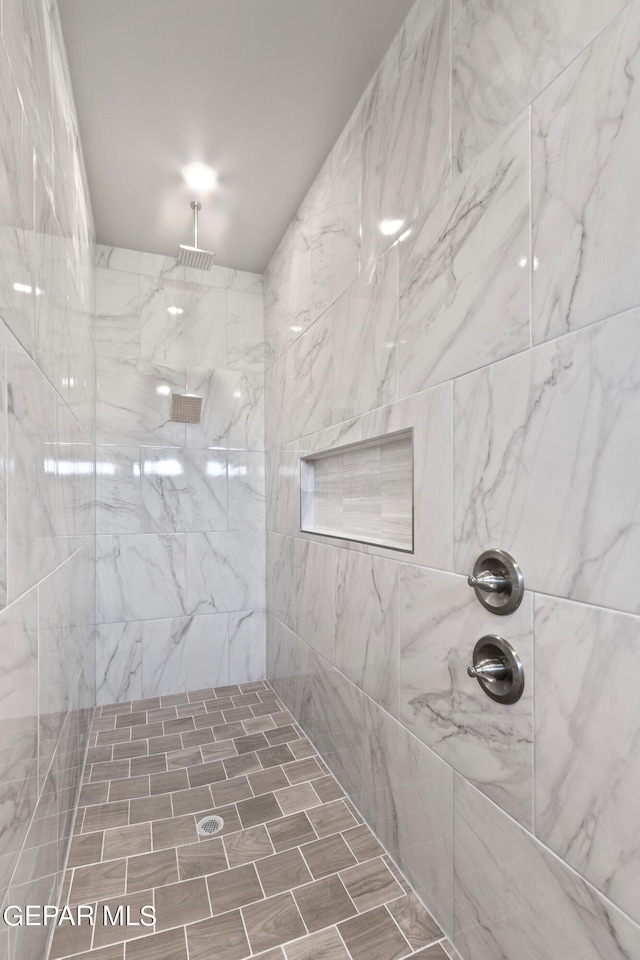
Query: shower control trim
[(497, 581), (498, 669)]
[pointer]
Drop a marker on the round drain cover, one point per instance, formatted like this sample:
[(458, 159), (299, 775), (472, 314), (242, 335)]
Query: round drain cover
[(209, 825)]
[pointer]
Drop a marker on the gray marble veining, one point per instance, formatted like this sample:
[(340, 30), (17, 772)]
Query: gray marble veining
[(226, 572), (504, 55), (364, 334), (464, 277), (514, 898), (492, 746), (407, 799), (182, 323), (367, 625), (585, 190), (406, 146), (133, 403), (546, 463), (587, 731), (141, 577)]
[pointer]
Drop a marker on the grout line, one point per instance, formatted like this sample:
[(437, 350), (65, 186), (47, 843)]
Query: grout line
[(398, 927), (246, 932)]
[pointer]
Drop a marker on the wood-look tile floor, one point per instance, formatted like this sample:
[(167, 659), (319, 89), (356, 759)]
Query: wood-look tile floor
[(294, 874)]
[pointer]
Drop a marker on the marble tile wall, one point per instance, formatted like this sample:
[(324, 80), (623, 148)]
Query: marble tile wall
[(47, 463), (180, 508), (497, 314)]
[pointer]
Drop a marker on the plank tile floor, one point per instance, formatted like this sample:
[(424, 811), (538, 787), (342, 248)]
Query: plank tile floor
[(294, 874)]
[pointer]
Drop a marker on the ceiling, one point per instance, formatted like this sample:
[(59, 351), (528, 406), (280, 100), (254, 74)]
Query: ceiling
[(258, 89)]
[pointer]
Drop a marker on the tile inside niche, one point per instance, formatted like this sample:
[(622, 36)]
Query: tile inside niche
[(361, 492)]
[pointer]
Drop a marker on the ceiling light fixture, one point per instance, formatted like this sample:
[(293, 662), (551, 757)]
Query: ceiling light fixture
[(200, 177), (175, 311)]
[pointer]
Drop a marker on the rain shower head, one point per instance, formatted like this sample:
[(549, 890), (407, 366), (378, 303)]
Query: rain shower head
[(193, 256)]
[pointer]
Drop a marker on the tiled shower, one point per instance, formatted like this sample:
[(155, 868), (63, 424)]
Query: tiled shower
[(265, 617)]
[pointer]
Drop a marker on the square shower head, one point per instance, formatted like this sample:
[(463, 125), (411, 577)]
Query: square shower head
[(194, 257)]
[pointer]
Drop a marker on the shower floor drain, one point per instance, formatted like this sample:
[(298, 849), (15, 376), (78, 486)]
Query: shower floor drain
[(209, 825)]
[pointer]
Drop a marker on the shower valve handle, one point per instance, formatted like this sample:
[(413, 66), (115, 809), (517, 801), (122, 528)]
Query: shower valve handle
[(489, 581), (490, 669)]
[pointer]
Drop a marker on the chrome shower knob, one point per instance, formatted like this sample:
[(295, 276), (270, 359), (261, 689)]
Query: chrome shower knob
[(497, 581), (495, 669), (498, 669)]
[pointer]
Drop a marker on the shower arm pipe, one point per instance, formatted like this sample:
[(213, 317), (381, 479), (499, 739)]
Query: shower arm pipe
[(195, 206)]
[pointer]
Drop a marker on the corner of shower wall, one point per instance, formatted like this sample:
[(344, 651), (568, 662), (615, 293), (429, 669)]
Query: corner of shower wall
[(47, 478)]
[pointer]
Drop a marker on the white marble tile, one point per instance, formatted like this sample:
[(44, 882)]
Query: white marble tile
[(505, 55), (18, 728), (226, 572), (381, 85), (195, 335), (334, 721), (247, 646), (141, 576), (407, 800), (73, 463), (396, 491), (314, 567), (512, 898), (367, 625), (26, 38), (290, 669), (271, 309), (464, 278), (245, 282), (413, 28), (546, 464), (283, 491), (281, 578), (246, 490), (334, 235), (232, 409), (309, 380), (66, 616), (133, 402), (183, 491), (119, 661), (17, 307), (488, 743), (429, 414), (36, 874), (294, 283), (31, 439), (350, 138), (64, 336), (364, 337), (585, 189), (117, 314), (406, 147), (118, 494), (278, 412), (138, 262), (245, 331), (587, 725), (187, 653)]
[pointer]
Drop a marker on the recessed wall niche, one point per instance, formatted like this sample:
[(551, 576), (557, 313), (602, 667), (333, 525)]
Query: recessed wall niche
[(361, 492)]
